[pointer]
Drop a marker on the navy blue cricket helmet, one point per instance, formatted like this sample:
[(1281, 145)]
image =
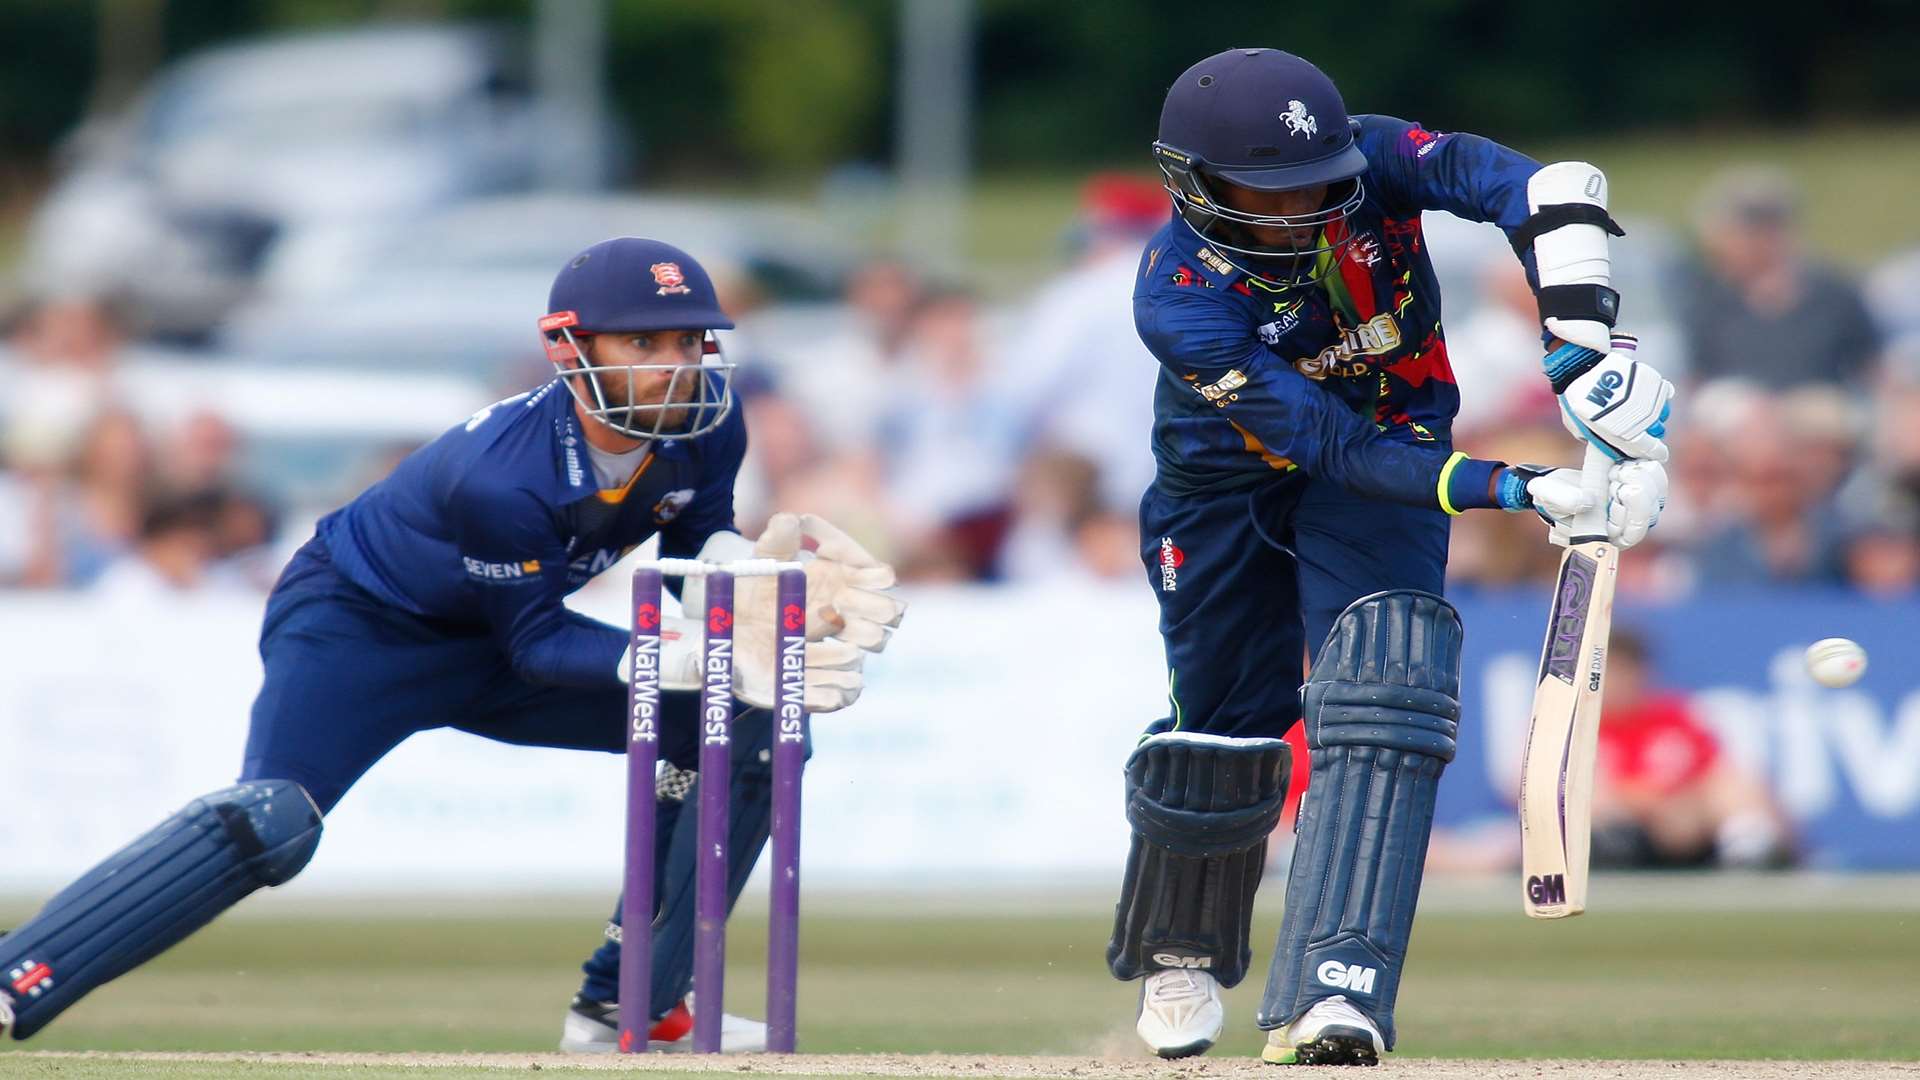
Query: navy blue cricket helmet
[(631, 285), (1270, 121)]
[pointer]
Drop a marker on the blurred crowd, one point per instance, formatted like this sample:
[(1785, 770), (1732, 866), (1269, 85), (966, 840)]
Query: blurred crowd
[(974, 439)]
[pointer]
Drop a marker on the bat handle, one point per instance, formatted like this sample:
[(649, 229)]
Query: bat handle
[(1592, 524)]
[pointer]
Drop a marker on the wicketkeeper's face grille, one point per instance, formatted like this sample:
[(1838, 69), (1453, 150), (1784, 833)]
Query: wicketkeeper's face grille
[(682, 398)]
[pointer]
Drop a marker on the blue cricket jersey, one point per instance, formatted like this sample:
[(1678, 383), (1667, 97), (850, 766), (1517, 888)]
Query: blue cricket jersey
[(492, 524), (1346, 379)]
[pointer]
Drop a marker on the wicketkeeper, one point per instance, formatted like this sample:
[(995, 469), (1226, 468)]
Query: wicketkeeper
[(435, 599)]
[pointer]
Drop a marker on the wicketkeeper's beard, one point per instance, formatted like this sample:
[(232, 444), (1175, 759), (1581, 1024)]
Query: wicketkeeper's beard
[(666, 408)]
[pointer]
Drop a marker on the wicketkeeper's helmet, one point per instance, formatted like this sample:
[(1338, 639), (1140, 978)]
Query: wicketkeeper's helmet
[(631, 285)]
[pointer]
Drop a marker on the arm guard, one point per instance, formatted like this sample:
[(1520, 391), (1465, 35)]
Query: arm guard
[(1567, 231)]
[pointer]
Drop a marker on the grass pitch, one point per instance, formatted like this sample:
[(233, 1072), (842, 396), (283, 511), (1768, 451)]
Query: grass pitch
[(1706, 970)]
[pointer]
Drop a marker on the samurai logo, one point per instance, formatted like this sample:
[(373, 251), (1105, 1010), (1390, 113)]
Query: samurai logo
[(668, 276), (1170, 559), (1299, 121)]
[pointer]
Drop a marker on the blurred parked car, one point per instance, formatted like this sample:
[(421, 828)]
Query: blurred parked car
[(174, 201), (460, 291)]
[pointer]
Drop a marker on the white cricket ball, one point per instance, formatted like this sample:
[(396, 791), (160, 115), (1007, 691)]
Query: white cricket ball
[(1836, 661)]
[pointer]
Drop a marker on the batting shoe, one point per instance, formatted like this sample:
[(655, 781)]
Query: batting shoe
[(1333, 1032), (1180, 1012), (593, 1027)]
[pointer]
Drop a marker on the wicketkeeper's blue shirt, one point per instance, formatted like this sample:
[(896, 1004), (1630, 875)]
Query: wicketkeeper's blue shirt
[(491, 525)]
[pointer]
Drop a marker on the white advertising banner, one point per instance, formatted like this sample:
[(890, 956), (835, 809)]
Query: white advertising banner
[(989, 743)]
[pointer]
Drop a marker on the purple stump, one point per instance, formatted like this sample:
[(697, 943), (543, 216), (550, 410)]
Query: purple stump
[(715, 785), (643, 756), (789, 760)]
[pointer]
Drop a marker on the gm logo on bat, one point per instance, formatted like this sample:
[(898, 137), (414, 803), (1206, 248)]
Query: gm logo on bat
[(1550, 889)]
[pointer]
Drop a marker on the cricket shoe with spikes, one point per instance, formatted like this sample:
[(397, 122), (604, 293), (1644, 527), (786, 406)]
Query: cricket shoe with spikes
[(1333, 1032), (1180, 1012), (593, 1027)]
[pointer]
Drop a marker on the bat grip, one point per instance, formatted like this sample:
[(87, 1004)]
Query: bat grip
[(1592, 524)]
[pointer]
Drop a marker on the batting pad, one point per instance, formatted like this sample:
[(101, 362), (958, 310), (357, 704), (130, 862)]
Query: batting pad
[(154, 892), (1382, 708), (1201, 807)]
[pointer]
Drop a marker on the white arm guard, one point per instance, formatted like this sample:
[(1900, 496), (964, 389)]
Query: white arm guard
[(1568, 230)]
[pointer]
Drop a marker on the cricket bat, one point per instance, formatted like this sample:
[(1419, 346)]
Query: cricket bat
[(1556, 777)]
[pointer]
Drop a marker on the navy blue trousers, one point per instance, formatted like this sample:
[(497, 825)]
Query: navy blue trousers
[(1249, 580), (348, 678)]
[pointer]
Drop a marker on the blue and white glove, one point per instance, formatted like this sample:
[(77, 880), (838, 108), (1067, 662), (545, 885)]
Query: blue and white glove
[(1611, 399), (1636, 494)]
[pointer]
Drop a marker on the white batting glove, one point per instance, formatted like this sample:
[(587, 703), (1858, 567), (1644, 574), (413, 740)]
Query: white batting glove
[(1555, 494), (1613, 401), (1636, 494)]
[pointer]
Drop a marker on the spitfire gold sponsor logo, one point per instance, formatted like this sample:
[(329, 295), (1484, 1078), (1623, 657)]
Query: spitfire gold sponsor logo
[(1377, 335), (1222, 390), (1211, 260)]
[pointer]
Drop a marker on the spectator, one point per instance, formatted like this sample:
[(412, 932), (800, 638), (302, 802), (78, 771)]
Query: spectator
[(949, 442), (178, 542), (59, 363), (841, 381), (1780, 526), (1497, 354), (1056, 493), (1883, 558), (1665, 795), (1079, 366), (94, 511), (1756, 307)]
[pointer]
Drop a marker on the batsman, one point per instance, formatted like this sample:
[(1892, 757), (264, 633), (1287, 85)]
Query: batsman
[(1305, 484), (437, 599)]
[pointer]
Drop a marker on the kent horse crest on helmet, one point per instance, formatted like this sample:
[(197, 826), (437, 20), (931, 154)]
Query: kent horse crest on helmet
[(1218, 127), (1299, 120)]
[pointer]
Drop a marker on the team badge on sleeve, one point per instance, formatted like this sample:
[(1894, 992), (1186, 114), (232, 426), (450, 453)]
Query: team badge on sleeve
[(1221, 390), (671, 504), (668, 276)]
